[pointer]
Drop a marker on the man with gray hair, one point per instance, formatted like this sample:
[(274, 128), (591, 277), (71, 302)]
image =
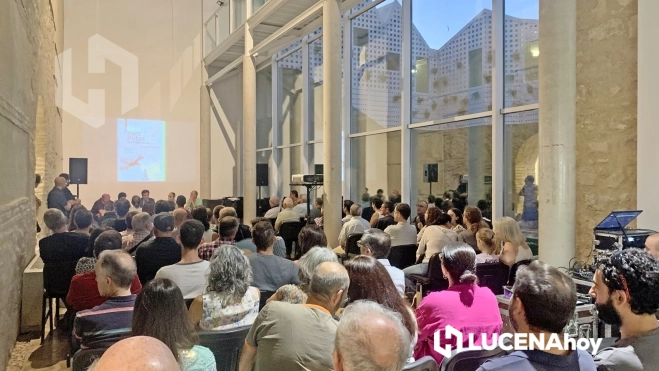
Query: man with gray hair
[(274, 208), (370, 337), (299, 336), (62, 246), (142, 225), (355, 224), (377, 244)]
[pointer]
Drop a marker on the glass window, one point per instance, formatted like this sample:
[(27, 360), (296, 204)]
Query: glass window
[(288, 165), (290, 99), (264, 108), (375, 164), (316, 89), (257, 4), (375, 68), (522, 52), (453, 40)]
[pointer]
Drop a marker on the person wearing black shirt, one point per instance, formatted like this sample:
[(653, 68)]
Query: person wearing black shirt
[(107, 213), (121, 207), (420, 219), (387, 219), (159, 252), (62, 246), (57, 198), (67, 191)]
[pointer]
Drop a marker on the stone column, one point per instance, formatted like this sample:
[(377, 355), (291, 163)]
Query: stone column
[(332, 118), (249, 129), (557, 130), (205, 142)]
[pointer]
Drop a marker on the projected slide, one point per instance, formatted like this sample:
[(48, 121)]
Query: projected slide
[(140, 150)]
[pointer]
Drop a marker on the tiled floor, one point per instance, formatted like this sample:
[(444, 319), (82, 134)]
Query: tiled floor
[(30, 354)]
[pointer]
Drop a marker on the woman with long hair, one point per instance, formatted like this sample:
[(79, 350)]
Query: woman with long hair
[(160, 313), (201, 214), (464, 306), (456, 220), (473, 220), (369, 280), (489, 251), (310, 236), (509, 237)]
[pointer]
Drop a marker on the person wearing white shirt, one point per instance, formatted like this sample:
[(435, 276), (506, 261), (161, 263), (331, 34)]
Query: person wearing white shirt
[(402, 233), (377, 244), (356, 224), (287, 215), (301, 207), (274, 208)]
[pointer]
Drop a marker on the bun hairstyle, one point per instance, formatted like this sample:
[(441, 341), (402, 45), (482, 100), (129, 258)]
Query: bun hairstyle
[(459, 259), (486, 235), (474, 217)]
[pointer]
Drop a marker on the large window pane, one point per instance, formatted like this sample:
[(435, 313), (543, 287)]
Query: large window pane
[(460, 150), (375, 164), (288, 164), (290, 99), (375, 68), (264, 108), (451, 58), (316, 89), (522, 52)]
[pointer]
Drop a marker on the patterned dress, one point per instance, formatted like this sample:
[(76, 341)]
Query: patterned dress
[(215, 316), (197, 358)]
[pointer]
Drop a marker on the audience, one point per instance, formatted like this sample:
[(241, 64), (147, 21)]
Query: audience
[(190, 273), (279, 248), (369, 280), (137, 353), (294, 337), (287, 215), (71, 224), (129, 224), (229, 301), (489, 253), (171, 196), (228, 228), (83, 291), (456, 220), (386, 219), (62, 246), (310, 236), (395, 197), (626, 293), (274, 210), (161, 207), (473, 221), (160, 312), (216, 217), (146, 199), (181, 202), (105, 324), (354, 224), (108, 215), (98, 209), (270, 272), (122, 207), (402, 233), (465, 306), (420, 218), (82, 220), (509, 236), (652, 245), (57, 197), (87, 262), (315, 210), (149, 208), (180, 216), (376, 205), (141, 223), (347, 204), (301, 206), (370, 337), (244, 232), (135, 204), (377, 244), (201, 215), (543, 302), (293, 196), (163, 250), (297, 294)]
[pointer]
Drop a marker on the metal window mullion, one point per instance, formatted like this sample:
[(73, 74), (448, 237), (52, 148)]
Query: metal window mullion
[(274, 169), (498, 124), (406, 105), (306, 111), (347, 104)]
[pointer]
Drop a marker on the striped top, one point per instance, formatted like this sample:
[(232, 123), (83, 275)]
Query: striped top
[(105, 324)]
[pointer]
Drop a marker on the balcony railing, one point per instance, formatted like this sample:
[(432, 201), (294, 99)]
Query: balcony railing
[(225, 20)]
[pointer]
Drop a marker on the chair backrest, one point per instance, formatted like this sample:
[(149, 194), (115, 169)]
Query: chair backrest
[(402, 256), (225, 345), (57, 277), (85, 357), (351, 244), (426, 363), (272, 221), (437, 280), (469, 360), (493, 276), (514, 268), (265, 295), (289, 231)]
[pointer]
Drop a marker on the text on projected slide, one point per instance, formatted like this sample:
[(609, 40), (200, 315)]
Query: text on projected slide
[(140, 150)]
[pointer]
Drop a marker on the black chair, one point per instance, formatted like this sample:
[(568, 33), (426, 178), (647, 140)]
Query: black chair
[(289, 232), (56, 280), (426, 363), (514, 268), (225, 345), (469, 360), (188, 302), (351, 245), (85, 357), (434, 280), (265, 295), (493, 276), (272, 221), (402, 256)]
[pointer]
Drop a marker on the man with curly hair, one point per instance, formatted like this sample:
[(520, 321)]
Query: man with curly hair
[(626, 293)]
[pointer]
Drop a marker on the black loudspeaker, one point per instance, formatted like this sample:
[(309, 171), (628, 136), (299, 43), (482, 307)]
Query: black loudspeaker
[(318, 169), (261, 175), (78, 170), (430, 173)]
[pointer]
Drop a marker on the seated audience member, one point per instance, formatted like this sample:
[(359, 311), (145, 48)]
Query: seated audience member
[(456, 220), (244, 231), (180, 216), (301, 207), (354, 224), (62, 246), (270, 271), (311, 236), (370, 337), (513, 244), (228, 229), (371, 210), (395, 197), (71, 224), (279, 248), (171, 206), (386, 219), (297, 294), (294, 197), (274, 210), (315, 210), (135, 204), (464, 305), (347, 204), (108, 215), (149, 208), (181, 201), (286, 215), (98, 208), (129, 224), (652, 245), (377, 244), (141, 232), (159, 252), (105, 324), (369, 280), (488, 251), (83, 292), (194, 201), (626, 293), (160, 312), (121, 207), (190, 273), (201, 215), (543, 303), (420, 218), (229, 301), (161, 207), (121, 196), (216, 217), (474, 222), (402, 233), (87, 262), (296, 337), (171, 196), (137, 353), (82, 220)]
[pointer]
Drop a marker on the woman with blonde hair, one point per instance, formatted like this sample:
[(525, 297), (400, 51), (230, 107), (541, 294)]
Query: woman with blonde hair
[(489, 251), (509, 237)]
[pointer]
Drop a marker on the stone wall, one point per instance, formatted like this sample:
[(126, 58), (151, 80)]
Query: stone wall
[(606, 112), (29, 35)]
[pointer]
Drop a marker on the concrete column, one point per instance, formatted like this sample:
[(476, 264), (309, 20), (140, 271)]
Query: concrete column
[(557, 131), (249, 129), (332, 118), (205, 143)]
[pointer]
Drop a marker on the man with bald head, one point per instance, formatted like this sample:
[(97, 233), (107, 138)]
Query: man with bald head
[(57, 197), (274, 208), (370, 337), (652, 245), (287, 215), (98, 209), (295, 337), (105, 324), (137, 353)]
